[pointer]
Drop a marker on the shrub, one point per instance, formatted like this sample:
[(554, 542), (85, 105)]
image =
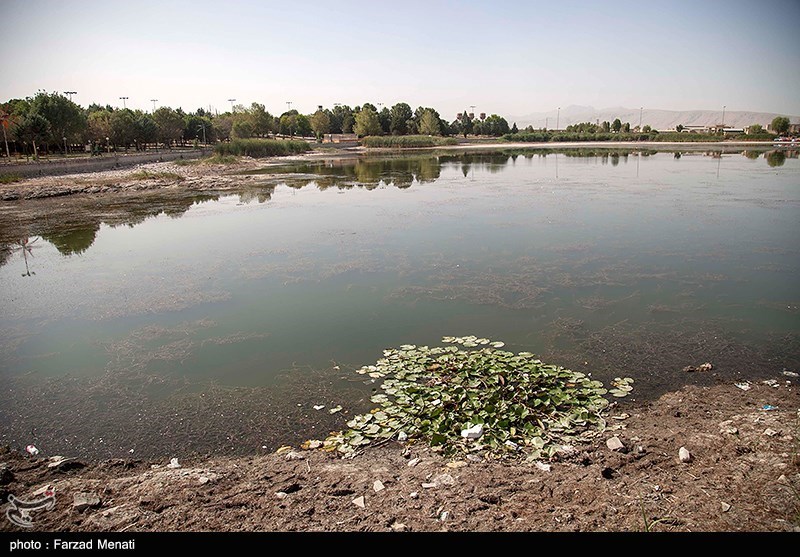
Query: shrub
[(406, 141), (261, 148)]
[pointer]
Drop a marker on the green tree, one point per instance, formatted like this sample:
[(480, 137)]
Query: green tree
[(780, 125), (304, 126), (514, 128), (31, 129), (429, 124), (67, 119), (606, 126), (348, 121), (647, 129), (385, 118), (755, 129), (626, 127), (222, 126), (495, 126), (466, 124), (617, 125), (679, 128), (123, 127), (170, 124), (367, 123), (320, 123), (146, 129), (260, 120), (400, 115), (99, 125)]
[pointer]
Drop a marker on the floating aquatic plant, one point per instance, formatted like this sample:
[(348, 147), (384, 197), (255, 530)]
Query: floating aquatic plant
[(439, 395)]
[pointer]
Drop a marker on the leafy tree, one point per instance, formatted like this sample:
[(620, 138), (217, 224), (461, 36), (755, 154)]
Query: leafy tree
[(260, 120), (605, 126), (99, 125), (429, 123), (617, 125), (303, 126), (223, 126), (33, 128), (385, 118), (145, 126), (514, 128), (123, 127), (67, 119), (170, 124), (348, 121), (679, 128), (626, 127), (320, 123), (242, 128), (199, 128), (755, 129), (367, 123), (647, 129), (466, 124), (495, 126), (780, 124), (400, 115)]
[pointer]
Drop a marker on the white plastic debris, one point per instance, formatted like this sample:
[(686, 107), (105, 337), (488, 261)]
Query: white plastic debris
[(544, 467), (378, 486), (319, 406), (32, 450), (360, 502), (173, 463), (473, 432), (744, 386)]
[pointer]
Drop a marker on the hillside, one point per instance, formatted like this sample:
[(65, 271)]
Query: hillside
[(656, 118)]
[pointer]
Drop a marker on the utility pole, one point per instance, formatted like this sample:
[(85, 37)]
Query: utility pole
[(640, 118), (154, 101), (558, 118), (123, 99), (70, 93), (231, 101), (288, 106), (723, 117)]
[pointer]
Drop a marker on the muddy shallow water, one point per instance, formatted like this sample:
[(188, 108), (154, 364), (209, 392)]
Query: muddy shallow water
[(215, 321)]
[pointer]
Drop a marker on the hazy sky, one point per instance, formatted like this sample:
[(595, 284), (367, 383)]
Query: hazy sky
[(508, 57)]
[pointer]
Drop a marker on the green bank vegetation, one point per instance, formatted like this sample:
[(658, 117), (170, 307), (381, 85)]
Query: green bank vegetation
[(258, 148), (406, 141)]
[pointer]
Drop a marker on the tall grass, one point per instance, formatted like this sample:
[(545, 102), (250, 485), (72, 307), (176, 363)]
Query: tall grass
[(406, 141), (9, 178), (261, 147)]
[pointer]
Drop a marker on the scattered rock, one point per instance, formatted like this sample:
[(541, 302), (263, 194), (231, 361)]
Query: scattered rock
[(444, 479), (771, 383), (318, 406), (788, 373), (173, 463), (6, 475), (473, 432), (82, 501), (745, 386), (378, 486), (456, 464), (281, 494), (413, 462), (728, 428), (360, 502), (414, 495), (444, 516), (203, 480), (725, 507), (430, 485), (615, 444), (705, 367), (689, 369), (399, 527), (294, 455), (491, 499), (543, 466), (474, 458), (32, 450), (684, 455), (769, 432), (402, 436)]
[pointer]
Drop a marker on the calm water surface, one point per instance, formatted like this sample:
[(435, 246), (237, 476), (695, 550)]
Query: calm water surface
[(617, 263)]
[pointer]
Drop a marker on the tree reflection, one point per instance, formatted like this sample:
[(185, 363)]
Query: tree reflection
[(25, 244), (775, 158)]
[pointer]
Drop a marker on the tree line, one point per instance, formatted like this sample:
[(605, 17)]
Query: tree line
[(52, 123)]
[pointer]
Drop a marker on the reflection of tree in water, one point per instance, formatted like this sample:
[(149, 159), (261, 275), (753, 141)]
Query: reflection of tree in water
[(776, 158), (73, 241), (752, 155), (261, 195), (25, 245)]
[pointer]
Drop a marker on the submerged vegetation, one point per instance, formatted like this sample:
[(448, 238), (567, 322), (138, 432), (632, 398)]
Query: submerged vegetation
[(406, 141), (261, 147), (478, 399)]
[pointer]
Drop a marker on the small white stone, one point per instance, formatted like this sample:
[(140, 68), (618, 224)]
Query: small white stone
[(360, 502), (378, 486), (281, 495), (725, 507), (615, 444), (173, 463), (414, 495), (684, 454), (473, 432), (413, 462), (769, 432), (402, 436)]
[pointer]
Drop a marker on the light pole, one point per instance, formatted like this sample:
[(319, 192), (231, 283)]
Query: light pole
[(380, 105), (640, 118), (154, 101), (123, 99), (65, 145), (723, 116), (472, 111), (558, 118), (288, 106), (70, 93), (546, 120), (231, 101)]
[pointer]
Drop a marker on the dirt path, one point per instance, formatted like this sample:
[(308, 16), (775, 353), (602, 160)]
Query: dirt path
[(744, 475)]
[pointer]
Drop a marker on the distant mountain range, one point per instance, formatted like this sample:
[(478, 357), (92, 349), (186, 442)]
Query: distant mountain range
[(655, 118)]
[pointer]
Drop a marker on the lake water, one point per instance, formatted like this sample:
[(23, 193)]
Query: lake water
[(215, 322)]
